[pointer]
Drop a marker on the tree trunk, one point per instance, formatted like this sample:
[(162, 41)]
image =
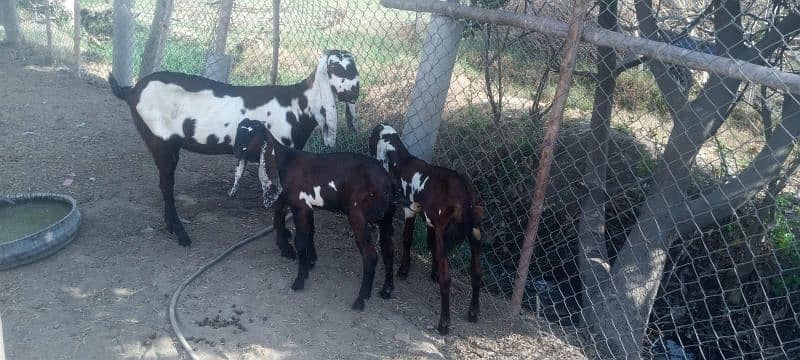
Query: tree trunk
[(637, 272), (218, 65), (593, 257), (725, 66), (157, 39), (122, 62), (626, 302), (10, 18), (438, 58), (764, 220), (76, 35), (276, 40), (48, 28)]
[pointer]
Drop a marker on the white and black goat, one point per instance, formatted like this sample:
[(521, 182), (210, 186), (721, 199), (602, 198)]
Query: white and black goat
[(174, 111), (449, 204), (353, 184)]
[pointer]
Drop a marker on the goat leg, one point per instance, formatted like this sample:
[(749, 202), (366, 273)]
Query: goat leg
[(475, 277), (311, 251), (444, 281), (166, 156), (282, 234), (368, 256), (408, 237), (432, 246), (387, 252), (303, 240)]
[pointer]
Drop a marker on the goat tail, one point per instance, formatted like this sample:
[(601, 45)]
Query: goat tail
[(121, 92)]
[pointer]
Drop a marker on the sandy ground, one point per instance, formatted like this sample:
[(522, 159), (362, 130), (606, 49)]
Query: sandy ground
[(106, 295)]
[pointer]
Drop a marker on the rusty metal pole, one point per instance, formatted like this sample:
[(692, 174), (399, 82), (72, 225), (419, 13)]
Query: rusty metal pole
[(548, 147), (48, 28), (76, 36), (276, 40)]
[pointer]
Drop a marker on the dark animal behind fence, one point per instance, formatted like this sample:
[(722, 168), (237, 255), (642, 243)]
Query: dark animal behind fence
[(449, 205), (353, 184), (174, 111)]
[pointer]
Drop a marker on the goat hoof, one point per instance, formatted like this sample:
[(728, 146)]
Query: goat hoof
[(402, 273), (358, 305), (444, 329), (386, 293), (299, 284), (183, 240), (289, 253), (472, 315), (434, 276)]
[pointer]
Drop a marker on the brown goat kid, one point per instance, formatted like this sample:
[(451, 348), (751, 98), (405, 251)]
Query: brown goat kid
[(449, 204), (345, 182)]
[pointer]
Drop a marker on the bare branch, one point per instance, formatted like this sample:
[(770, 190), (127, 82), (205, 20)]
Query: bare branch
[(733, 68), (630, 65), (714, 207)]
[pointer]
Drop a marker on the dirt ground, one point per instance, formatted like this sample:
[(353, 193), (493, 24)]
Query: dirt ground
[(106, 295)]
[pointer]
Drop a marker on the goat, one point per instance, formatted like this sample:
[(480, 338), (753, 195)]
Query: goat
[(449, 204), (174, 111), (351, 183)]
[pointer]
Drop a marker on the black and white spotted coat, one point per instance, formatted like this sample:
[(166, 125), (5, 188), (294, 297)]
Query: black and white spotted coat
[(175, 111)]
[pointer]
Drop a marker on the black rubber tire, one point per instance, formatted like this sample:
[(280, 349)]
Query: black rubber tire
[(45, 242)]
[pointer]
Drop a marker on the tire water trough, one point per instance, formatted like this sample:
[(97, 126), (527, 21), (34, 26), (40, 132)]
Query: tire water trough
[(34, 226)]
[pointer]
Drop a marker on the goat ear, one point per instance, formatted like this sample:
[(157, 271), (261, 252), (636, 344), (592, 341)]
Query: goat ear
[(330, 119), (393, 158), (374, 138), (372, 145)]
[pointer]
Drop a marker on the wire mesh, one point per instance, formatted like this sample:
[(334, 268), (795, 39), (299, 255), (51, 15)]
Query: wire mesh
[(726, 285)]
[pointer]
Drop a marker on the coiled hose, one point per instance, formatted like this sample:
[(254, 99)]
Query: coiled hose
[(173, 318)]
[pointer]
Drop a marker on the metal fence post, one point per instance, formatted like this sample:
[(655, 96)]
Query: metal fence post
[(548, 148), (10, 18), (438, 57), (159, 31), (122, 62), (276, 40), (218, 64)]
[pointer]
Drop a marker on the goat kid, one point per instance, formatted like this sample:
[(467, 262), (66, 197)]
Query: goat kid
[(449, 204), (353, 184), (174, 111)]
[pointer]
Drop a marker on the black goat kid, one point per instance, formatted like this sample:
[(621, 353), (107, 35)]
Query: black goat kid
[(353, 184), (448, 203)]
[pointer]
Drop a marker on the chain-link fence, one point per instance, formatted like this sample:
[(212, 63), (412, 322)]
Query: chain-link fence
[(672, 213)]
